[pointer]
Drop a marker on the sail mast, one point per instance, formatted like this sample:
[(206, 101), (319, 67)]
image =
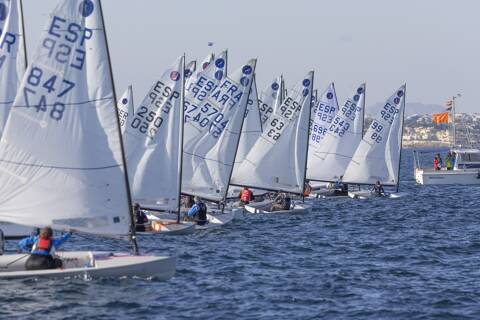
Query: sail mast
[(308, 137), (363, 109), (238, 140), (23, 34), (133, 237), (180, 146), (401, 137)]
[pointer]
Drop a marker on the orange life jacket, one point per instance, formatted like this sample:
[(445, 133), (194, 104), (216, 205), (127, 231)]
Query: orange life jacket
[(44, 244), (247, 195), (307, 190)]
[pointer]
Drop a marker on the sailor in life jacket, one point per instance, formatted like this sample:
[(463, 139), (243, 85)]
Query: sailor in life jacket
[(198, 212), (43, 249), (246, 196)]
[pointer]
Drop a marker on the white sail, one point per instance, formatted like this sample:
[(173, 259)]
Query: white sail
[(378, 155), (212, 132), (190, 69), (153, 141), (277, 160), (330, 160), (206, 62), (322, 115), (200, 85), (251, 129), (60, 155), (270, 99), (125, 108), (12, 55)]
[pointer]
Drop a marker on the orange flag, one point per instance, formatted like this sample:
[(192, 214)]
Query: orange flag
[(440, 118)]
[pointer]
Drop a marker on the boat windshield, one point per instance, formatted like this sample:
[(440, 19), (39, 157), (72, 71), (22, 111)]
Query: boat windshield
[(469, 157)]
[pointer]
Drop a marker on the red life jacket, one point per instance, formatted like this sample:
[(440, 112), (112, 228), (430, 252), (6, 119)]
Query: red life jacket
[(246, 195), (44, 244)]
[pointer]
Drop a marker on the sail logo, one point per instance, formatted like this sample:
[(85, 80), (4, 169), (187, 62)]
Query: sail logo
[(188, 73), (124, 101), (244, 81), (205, 65), (174, 75), (360, 90), (220, 63), (219, 75), (86, 8), (329, 95), (247, 70), (275, 86), (305, 92), (306, 82), (3, 12), (356, 98)]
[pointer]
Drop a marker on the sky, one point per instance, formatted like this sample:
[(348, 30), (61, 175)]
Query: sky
[(432, 45)]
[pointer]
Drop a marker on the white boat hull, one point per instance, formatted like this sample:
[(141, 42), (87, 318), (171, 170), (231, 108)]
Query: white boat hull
[(439, 177), (92, 264), (215, 218), (264, 207), (366, 194), (169, 227)]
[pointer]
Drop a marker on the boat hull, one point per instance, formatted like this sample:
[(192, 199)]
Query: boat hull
[(215, 218), (443, 177), (169, 227), (264, 207), (93, 265), (366, 194)]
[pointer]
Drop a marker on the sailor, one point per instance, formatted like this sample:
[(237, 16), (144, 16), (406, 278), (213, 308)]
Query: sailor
[(198, 212), (42, 254), (246, 196), (449, 161), (437, 162), (377, 189), (141, 220), (281, 202), (340, 188), (307, 189)]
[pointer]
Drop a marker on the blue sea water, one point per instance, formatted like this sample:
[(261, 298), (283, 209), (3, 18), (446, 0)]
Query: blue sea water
[(416, 257)]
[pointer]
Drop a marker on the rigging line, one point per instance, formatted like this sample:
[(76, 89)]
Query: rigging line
[(67, 104), (192, 154), (58, 167)]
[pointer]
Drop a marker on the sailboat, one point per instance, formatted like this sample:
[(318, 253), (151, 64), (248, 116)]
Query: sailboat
[(277, 161), (61, 155), (377, 157), (324, 110), (211, 136), (251, 131), (329, 161), (153, 143), (13, 62), (125, 107)]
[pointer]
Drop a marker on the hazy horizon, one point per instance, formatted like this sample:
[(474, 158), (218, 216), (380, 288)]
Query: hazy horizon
[(430, 45)]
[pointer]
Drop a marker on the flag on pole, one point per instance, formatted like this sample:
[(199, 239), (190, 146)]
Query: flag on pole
[(438, 118)]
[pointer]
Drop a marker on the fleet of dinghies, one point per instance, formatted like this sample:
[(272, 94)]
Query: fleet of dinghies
[(73, 157)]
